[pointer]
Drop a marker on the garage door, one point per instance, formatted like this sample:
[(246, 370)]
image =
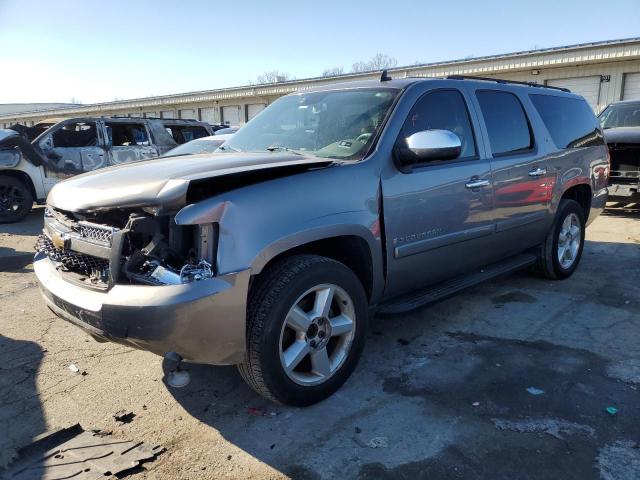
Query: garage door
[(631, 86), (254, 109), (189, 113), (231, 115), (150, 114), (588, 87), (208, 115), (168, 114)]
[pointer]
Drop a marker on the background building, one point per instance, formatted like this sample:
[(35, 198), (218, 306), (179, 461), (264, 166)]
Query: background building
[(603, 72)]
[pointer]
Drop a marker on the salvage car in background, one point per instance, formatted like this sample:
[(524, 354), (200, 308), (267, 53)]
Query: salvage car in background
[(331, 203), (621, 124), (200, 145), (28, 170)]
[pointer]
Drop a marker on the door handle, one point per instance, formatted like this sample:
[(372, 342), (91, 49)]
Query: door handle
[(477, 183), (538, 172)]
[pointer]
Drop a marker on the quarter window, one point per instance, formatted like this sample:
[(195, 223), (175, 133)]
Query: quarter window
[(570, 121), (507, 124), (442, 110)]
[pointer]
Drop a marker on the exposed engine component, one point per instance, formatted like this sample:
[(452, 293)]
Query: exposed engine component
[(187, 274)]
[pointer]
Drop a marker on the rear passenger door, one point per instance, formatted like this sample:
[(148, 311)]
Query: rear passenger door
[(522, 186), (438, 215), (128, 142)]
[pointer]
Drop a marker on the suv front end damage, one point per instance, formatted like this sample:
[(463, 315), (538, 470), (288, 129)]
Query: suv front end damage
[(133, 278)]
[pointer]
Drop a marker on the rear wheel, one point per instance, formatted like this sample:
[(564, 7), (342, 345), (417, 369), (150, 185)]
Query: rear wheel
[(306, 329), (16, 199), (562, 249)]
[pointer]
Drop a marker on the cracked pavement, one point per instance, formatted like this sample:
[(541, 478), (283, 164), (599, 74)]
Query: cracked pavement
[(440, 392)]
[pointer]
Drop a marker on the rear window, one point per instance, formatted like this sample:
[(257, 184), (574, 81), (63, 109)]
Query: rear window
[(570, 121), (507, 124)]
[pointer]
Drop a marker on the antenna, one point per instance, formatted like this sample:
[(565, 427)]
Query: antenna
[(385, 76)]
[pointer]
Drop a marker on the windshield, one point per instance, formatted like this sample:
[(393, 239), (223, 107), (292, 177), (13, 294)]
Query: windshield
[(338, 124), (195, 146), (622, 115)]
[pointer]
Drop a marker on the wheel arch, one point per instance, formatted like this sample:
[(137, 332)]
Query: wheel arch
[(359, 252), (23, 177), (581, 193)]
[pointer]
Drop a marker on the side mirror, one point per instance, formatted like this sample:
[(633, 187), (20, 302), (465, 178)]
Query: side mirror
[(429, 145)]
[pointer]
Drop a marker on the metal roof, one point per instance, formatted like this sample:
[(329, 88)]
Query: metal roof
[(540, 58)]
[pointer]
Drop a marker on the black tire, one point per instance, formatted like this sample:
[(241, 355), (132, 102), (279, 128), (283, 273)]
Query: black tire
[(548, 264), (16, 199), (271, 297)]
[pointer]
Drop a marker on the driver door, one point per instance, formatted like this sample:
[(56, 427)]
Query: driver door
[(438, 215)]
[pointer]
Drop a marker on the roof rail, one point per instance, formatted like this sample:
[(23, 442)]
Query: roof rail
[(151, 118), (502, 80)]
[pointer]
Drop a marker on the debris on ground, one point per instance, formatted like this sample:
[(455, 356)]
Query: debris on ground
[(404, 342), (476, 404), (378, 442), (260, 412), (551, 426), (82, 455), (73, 368), (535, 391), (611, 410), (124, 416), (619, 460)]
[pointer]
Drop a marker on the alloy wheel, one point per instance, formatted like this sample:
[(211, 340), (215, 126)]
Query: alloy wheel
[(317, 334)]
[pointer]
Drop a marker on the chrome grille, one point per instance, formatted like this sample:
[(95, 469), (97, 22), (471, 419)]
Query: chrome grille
[(96, 233), (76, 262)]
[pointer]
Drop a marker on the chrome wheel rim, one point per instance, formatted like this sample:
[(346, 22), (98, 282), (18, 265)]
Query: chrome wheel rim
[(317, 334), (569, 241)]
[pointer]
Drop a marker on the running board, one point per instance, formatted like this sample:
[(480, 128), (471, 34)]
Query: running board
[(450, 287)]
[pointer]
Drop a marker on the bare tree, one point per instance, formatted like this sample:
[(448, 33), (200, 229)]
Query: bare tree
[(380, 61), (332, 72), (273, 76), (75, 101)]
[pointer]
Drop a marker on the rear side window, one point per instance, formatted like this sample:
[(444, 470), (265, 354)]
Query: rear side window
[(442, 110), (127, 134), (570, 121), (185, 133), (507, 124)]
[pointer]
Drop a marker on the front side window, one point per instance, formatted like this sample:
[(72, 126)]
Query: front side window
[(622, 115), (507, 124), (341, 124), (570, 121), (442, 110), (75, 135)]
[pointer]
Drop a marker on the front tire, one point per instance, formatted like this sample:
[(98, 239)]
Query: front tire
[(16, 199), (561, 251), (306, 327)]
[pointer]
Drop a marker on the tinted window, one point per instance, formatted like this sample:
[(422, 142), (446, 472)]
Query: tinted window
[(570, 121), (622, 115), (185, 133), (506, 122), (442, 110)]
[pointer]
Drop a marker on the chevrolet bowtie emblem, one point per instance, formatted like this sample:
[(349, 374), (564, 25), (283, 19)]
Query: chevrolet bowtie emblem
[(59, 240)]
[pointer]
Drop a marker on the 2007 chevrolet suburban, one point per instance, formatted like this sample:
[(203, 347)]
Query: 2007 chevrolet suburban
[(271, 253)]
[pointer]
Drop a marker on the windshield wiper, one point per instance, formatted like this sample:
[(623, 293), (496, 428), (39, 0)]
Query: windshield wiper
[(284, 149)]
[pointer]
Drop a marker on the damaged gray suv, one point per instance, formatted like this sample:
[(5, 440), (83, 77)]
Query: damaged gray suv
[(333, 203)]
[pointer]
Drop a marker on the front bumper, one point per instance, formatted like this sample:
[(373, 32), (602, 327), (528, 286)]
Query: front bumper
[(203, 321)]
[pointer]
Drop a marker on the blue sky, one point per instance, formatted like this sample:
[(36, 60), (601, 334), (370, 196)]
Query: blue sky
[(97, 51)]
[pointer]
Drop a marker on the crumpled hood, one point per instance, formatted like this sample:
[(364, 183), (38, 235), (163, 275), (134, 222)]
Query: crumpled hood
[(162, 182), (622, 135)]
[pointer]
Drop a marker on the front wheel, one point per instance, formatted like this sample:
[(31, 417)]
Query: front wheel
[(562, 249), (16, 199), (306, 329)]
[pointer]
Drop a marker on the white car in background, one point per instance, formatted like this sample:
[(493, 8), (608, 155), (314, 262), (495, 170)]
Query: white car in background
[(199, 145)]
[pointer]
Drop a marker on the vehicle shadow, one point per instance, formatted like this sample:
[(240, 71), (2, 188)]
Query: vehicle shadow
[(17, 241), (442, 392), (21, 415)]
